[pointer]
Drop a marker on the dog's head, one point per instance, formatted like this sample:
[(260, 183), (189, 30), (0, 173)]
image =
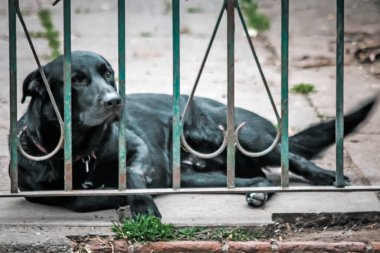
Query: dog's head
[(94, 96)]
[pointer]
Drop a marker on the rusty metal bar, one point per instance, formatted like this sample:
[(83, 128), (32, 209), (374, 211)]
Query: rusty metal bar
[(67, 94), (176, 145), (13, 140), (339, 123), (284, 93), (121, 52), (230, 93)]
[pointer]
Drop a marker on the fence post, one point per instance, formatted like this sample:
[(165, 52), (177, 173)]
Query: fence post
[(230, 94), (13, 168), (176, 146), (67, 94), (339, 127), (121, 52), (284, 93)]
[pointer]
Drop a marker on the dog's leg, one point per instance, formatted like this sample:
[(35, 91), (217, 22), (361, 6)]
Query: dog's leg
[(94, 203), (139, 166), (191, 178), (140, 204)]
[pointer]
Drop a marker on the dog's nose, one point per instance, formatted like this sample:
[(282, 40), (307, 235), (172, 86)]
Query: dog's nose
[(112, 101)]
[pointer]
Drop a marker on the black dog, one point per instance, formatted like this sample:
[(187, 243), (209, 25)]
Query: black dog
[(97, 107)]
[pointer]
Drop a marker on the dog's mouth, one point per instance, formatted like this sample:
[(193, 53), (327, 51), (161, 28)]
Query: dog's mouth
[(113, 117), (97, 118)]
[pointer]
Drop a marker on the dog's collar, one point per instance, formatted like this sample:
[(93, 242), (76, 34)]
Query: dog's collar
[(35, 142), (81, 157), (43, 149)]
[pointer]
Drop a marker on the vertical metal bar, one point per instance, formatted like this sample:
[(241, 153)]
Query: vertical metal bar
[(121, 51), (230, 94), (339, 127), (176, 155), (284, 93), (13, 94), (67, 94)]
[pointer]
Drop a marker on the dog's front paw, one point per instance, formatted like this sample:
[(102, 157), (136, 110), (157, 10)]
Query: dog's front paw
[(347, 181), (123, 212), (256, 199), (143, 205)]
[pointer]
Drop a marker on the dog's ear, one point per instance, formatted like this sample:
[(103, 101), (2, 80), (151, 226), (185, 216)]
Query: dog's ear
[(33, 86)]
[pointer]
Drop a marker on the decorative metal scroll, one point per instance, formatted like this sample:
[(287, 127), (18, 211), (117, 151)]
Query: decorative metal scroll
[(224, 143), (50, 94)]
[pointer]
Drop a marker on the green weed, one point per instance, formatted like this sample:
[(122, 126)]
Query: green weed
[(192, 233), (167, 8), (193, 10), (80, 11), (148, 228), (49, 33), (303, 88), (256, 20), (145, 34), (216, 234), (144, 228), (231, 234)]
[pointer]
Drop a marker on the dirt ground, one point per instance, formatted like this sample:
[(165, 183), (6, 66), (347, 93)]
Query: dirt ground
[(337, 227), (329, 228)]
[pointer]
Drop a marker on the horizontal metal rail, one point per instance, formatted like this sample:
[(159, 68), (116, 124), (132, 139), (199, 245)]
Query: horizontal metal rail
[(218, 190)]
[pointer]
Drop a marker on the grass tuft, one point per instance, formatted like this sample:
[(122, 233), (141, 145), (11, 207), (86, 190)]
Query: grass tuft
[(303, 88), (148, 228), (145, 34), (193, 10), (144, 228), (167, 8), (256, 20), (49, 33)]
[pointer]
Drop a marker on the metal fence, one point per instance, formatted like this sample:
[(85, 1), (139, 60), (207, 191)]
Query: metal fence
[(229, 6)]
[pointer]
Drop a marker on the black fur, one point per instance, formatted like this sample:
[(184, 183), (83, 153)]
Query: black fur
[(96, 108)]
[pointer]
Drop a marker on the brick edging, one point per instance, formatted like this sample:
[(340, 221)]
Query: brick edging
[(226, 247)]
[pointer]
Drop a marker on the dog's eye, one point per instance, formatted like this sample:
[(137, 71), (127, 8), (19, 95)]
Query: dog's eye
[(108, 74), (78, 81)]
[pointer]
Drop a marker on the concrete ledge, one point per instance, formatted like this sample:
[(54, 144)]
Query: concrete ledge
[(225, 247)]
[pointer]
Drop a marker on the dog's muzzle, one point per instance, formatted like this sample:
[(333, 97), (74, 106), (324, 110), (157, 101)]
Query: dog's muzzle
[(112, 103)]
